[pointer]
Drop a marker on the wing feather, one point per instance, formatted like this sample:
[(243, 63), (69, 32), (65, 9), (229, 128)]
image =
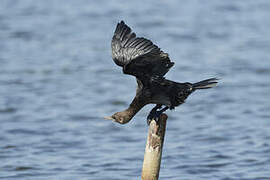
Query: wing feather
[(138, 56)]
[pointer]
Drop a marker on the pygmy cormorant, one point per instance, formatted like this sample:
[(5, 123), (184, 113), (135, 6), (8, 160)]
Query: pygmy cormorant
[(144, 60)]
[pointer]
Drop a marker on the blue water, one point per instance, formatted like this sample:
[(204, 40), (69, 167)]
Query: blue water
[(57, 81)]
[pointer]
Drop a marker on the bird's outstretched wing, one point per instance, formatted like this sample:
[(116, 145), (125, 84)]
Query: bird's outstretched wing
[(138, 56)]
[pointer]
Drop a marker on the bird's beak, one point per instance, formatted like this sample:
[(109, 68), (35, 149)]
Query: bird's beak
[(109, 118)]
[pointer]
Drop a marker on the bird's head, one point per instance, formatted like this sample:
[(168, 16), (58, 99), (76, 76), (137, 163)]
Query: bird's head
[(120, 117)]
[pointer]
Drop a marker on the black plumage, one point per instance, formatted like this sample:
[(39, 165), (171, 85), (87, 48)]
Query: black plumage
[(144, 60), (138, 56)]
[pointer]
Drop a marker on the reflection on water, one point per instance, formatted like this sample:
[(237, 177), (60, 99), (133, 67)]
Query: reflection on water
[(57, 81)]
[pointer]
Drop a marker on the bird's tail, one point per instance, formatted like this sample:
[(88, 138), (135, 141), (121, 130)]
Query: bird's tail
[(205, 84)]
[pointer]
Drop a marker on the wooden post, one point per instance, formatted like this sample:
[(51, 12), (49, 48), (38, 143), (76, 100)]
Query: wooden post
[(153, 149)]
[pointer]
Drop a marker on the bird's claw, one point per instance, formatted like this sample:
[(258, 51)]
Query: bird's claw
[(153, 115)]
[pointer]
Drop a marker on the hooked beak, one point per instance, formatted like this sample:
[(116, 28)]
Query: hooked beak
[(109, 118)]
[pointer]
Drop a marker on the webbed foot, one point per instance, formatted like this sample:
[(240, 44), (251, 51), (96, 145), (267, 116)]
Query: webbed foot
[(155, 114)]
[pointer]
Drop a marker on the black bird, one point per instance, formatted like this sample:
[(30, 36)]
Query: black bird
[(144, 60)]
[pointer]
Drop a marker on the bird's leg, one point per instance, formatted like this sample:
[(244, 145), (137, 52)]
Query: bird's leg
[(154, 114)]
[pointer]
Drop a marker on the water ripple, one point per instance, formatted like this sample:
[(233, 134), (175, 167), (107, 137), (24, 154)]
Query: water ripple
[(58, 81)]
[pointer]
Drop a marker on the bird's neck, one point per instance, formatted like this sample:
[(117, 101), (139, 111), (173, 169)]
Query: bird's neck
[(135, 106)]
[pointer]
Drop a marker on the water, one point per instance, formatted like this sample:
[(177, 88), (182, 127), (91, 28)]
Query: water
[(57, 81)]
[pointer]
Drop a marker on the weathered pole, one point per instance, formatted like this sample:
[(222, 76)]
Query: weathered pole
[(153, 149)]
